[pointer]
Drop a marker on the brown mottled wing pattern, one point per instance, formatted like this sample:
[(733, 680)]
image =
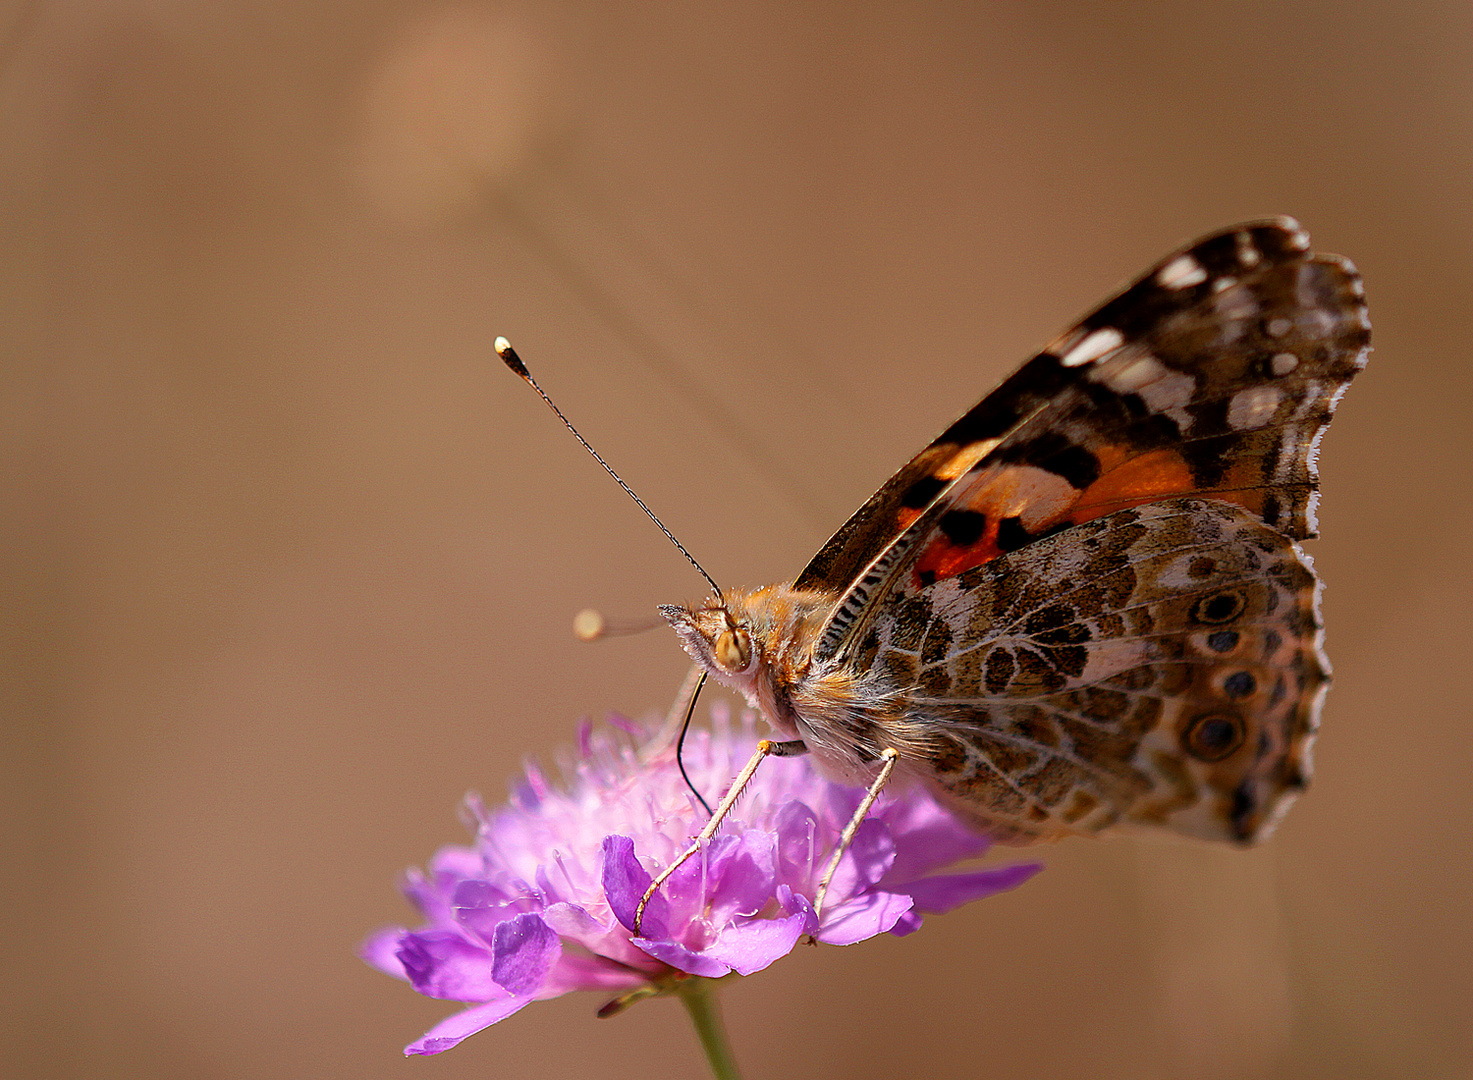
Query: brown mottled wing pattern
[(1158, 665), (1214, 374)]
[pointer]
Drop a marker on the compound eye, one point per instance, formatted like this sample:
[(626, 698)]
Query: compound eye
[(733, 650)]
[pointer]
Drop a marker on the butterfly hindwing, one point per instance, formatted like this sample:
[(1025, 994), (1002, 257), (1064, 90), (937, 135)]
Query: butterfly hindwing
[(1160, 665)]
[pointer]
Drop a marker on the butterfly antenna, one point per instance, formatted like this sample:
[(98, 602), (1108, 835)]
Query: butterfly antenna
[(512, 360)]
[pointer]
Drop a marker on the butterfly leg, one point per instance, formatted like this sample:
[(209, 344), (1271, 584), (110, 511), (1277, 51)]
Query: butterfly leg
[(765, 748), (889, 757)]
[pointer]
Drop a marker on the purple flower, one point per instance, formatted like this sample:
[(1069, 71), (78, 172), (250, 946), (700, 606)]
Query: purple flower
[(544, 900)]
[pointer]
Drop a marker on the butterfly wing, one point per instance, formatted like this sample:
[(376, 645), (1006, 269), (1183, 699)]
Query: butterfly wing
[(1158, 665), (1088, 589), (1213, 375)]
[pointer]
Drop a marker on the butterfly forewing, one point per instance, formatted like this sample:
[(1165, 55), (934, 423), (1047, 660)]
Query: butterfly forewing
[(1214, 374)]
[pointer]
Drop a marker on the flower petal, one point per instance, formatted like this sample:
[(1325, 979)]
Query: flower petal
[(687, 960), (868, 859), (452, 1029), (928, 836), (742, 881), (430, 892), (382, 951), (625, 882), (523, 951), (938, 895), (543, 901), (751, 946), (480, 908), (907, 924), (871, 914), (796, 827), (575, 971), (443, 964), (455, 861), (575, 924), (793, 903)]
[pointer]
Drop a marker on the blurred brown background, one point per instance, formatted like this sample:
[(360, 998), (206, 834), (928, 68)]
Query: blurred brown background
[(292, 561)]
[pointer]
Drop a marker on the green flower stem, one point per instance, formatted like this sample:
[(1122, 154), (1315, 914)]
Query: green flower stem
[(699, 997)]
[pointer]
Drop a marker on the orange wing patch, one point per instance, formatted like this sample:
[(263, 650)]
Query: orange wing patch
[(985, 514), (1127, 481), (1008, 506)]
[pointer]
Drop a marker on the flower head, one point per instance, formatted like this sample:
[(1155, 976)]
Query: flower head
[(544, 900)]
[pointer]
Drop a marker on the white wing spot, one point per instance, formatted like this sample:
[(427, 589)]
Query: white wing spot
[(1279, 327), (1180, 273), (1254, 407), (1247, 253), (1222, 284), (1164, 389), (1235, 307), (1312, 457), (1171, 394), (1141, 371), (1283, 363), (1102, 341)]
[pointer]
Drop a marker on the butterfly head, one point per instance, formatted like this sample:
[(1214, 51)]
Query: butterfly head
[(758, 643), (717, 639)]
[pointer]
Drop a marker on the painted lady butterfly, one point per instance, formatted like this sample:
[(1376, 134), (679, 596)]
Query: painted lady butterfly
[(1085, 603)]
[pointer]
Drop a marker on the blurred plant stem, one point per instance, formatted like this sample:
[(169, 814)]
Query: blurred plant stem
[(699, 997)]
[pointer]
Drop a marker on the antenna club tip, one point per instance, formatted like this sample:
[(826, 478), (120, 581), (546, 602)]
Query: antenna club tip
[(589, 625), (509, 356)]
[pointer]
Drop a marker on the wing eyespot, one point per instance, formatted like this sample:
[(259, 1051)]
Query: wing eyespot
[(1239, 684), (1219, 607), (1223, 641), (1213, 737)]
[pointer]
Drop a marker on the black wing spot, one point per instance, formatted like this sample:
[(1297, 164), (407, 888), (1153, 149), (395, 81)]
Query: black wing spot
[(1213, 737), (1223, 641), (1245, 806), (1011, 535), (1050, 619), (919, 495), (1055, 452), (1219, 608), (1030, 386), (963, 527), (1239, 684), (999, 671)]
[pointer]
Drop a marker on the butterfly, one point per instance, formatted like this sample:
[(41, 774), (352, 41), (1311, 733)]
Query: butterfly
[(1084, 604)]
